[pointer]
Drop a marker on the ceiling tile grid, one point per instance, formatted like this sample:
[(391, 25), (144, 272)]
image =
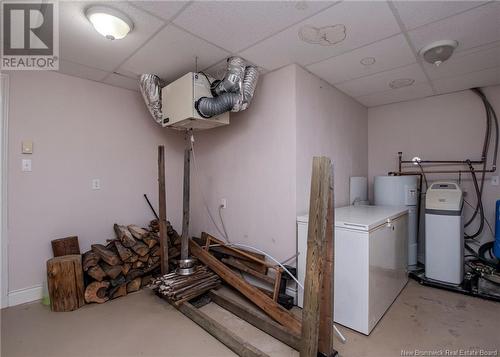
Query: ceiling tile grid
[(235, 25), (364, 23), (169, 36)]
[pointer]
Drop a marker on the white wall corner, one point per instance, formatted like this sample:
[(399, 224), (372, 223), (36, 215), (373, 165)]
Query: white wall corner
[(23, 296)]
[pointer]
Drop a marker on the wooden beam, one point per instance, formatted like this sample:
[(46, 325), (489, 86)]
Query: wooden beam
[(325, 340), (240, 266), (260, 299), (223, 334), (163, 210), (185, 196), (318, 207), (267, 325)]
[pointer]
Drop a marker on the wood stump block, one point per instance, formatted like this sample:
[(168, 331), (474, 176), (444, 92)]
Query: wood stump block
[(65, 283)]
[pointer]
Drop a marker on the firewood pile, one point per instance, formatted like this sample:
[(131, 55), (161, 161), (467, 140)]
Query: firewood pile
[(178, 288), (126, 263)]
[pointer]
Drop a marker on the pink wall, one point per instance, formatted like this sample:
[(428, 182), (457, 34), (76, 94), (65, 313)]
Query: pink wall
[(329, 123), (262, 162), (445, 127), (251, 163), (81, 130)]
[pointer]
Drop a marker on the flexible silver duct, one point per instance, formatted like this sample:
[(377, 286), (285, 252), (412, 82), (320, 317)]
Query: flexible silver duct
[(150, 86), (231, 83), (249, 84), (209, 107)]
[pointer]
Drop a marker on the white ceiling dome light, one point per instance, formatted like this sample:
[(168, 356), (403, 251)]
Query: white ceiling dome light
[(439, 51), (109, 22)]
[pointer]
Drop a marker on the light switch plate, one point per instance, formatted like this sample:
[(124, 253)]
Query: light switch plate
[(494, 180), (26, 165), (27, 147)]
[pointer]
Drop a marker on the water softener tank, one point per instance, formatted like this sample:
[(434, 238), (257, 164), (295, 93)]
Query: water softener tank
[(496, 249)]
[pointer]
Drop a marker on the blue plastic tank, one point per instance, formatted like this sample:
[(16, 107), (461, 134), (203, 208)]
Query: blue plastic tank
[(496, 248)]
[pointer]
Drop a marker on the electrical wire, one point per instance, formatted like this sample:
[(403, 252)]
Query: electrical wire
[(197, 175)]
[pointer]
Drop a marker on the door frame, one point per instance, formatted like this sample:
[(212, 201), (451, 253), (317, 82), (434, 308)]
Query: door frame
[(4, 122)]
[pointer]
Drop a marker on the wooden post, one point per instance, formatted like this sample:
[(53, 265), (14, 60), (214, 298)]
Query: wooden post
[(185, 196), (318, 208), (163, 210), (325, 342), (65, 282)]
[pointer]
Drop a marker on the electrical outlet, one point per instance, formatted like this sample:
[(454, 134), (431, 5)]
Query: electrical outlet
[(26, 165), (223, 203), (494, 180), (96, 184)]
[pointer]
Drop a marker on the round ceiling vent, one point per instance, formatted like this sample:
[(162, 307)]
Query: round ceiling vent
[(439, 51), (324, 36), (401, 82)]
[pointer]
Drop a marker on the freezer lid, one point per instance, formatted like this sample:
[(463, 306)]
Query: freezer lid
[(365, 218)]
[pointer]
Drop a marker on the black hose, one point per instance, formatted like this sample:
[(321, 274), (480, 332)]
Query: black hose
[(480, 204)]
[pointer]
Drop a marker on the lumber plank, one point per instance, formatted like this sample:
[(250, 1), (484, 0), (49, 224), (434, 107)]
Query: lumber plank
[(185, 197), (325, 339), (267, 325), (260, 299), (240, 266), (220, 332), (163, 210), (318, 206), (65, 246)]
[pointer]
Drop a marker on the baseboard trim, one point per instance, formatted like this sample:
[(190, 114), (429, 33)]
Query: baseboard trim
[(23, 296)]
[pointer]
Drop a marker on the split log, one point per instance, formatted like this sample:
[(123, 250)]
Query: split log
[(89, 259), (134, 285), (138, 264), (144, 258), (65, 246), (134, 273), (137, 232), (120, 279), (150, 241), (126, 268), (155, 251), (140, 248), (145, 280), (133, 258), (124, 253), (96, 272), (65, 282), (96, 292), (118, 291), (107, 255), (124, 235), (111, 270)]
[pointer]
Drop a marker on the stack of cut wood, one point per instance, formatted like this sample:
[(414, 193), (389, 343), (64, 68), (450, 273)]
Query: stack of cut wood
[(178, 288), (124, 264)]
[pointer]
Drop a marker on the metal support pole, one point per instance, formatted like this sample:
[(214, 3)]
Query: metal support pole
[(185, 196)]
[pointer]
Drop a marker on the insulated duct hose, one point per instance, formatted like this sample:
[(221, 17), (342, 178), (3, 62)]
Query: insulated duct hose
[(150, 86), (209, 107)]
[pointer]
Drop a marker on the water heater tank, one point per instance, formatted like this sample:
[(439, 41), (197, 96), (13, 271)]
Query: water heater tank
[(400, 191)]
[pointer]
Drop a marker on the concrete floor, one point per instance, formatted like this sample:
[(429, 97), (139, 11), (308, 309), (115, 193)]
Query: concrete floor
[(141, 324)]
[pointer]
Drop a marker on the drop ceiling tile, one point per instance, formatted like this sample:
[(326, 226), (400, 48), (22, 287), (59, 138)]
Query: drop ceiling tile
[(119, 80), (418, 13), (390, 53), (473, 28), (380, 82), (164, 9), (488, 77), (416, 91), (466, 62), (80, 43), (365, 22), (172, 53), (78, 70), (235, 25)]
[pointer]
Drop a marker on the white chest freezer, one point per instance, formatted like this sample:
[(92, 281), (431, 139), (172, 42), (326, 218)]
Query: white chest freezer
[(370, 262)]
